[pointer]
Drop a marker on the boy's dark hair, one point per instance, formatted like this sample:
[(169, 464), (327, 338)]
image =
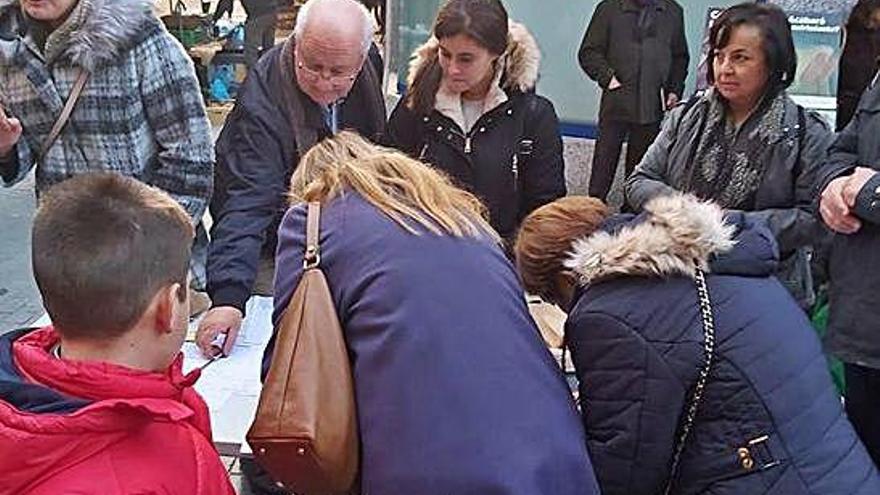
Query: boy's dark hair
[(778, 43), (102, 246)]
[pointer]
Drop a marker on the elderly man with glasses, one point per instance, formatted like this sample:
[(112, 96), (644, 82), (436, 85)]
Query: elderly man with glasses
[(315, 83)]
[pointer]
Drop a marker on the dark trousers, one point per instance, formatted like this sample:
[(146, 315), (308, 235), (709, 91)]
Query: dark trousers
[(259, 36), (863, 405), (607, 153), (258, 479)]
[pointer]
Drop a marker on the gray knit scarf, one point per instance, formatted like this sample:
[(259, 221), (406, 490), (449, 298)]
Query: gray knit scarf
[(729, 176)]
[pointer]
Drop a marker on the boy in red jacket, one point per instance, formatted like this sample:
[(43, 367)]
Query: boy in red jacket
[(97, 403)]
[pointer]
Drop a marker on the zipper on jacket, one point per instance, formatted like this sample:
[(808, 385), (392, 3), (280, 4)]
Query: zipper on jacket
[(423, 152), (468, 137), (514, 167)]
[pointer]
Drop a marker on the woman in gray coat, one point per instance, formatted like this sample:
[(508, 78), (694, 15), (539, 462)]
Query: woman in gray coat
[(744, 143)]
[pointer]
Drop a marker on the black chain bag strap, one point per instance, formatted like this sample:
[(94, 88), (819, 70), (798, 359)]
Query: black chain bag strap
[(697, 393)]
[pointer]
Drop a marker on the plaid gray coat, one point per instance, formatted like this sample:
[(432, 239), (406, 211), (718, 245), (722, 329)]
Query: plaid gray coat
[(141, 113)]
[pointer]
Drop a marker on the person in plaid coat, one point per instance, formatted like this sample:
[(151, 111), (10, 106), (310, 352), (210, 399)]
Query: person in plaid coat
[(140, 114)]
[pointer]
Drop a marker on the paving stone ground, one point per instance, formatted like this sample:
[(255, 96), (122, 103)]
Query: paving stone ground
[(19, 300)]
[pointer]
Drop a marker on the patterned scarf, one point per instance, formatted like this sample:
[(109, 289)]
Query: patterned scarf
[(729, 176)]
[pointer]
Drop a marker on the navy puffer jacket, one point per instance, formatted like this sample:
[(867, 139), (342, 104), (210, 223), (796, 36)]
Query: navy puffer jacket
[(770, 421)]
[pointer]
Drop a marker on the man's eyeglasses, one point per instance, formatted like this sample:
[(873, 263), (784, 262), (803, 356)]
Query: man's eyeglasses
[(337, 81)]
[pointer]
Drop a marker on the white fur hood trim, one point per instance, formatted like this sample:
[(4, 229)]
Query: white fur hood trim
[(679, 236), (521, 59)]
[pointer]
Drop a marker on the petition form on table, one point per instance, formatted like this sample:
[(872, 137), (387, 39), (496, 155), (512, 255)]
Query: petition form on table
[(231, 385)]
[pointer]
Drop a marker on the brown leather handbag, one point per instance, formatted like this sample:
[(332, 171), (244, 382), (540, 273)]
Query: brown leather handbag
[(305, 431)]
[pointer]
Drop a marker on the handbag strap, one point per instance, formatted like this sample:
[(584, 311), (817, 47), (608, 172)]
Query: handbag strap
[(697, 392), (78, 86), (312, 257)]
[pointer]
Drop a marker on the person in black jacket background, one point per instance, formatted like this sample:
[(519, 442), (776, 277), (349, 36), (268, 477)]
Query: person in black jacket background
[(858, 62), (850, 205), (259, 28), (637, 52), (471, 111)]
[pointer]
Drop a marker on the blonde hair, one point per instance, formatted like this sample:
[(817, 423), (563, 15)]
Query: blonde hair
[(546, 237), (404, 189)]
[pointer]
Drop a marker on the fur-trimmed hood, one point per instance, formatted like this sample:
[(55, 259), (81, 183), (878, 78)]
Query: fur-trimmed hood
[(97, 31), (675, 236), (517, 71), (521, 60)]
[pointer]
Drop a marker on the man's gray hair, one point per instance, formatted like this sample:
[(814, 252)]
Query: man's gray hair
[(369, 28)]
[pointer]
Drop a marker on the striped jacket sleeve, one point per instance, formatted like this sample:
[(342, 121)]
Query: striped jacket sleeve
[(174, 108)]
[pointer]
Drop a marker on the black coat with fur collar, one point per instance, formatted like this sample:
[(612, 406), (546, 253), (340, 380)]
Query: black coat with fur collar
[(512, 156)]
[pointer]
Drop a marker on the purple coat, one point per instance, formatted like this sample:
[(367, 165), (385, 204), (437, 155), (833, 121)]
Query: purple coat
[(455, 390)]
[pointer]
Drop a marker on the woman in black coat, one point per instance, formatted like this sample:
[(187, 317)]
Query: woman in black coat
[(768, 420), (471, 111)]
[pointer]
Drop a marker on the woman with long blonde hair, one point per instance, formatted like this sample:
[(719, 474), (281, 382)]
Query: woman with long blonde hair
[(455, 390)]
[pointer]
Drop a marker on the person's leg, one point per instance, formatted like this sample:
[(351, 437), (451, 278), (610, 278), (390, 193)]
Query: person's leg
[(606, 156), (258, 479), (267, 25), (640, 138), (252, 40), (863, 405)]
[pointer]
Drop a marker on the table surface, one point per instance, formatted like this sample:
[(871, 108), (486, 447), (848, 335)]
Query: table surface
[(231, 385)]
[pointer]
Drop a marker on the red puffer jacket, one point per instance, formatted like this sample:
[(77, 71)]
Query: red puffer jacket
[(98, 428)]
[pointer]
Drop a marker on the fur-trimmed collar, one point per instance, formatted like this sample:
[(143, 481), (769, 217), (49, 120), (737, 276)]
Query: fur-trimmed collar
[(519, 71), (521, 65), (97, 32), (679, 234)]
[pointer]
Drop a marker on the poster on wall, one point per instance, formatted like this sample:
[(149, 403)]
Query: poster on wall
[(817, 27)]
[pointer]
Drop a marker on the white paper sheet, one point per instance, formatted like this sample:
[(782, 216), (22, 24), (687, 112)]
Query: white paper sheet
[(231, 385)]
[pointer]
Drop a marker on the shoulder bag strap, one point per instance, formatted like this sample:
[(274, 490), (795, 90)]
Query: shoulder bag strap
[(697, 392), (69, 105), (312, 256)]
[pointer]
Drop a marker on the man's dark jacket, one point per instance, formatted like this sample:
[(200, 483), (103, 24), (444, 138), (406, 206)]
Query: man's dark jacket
[(646, 53), (271, 125), (854, 267)]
